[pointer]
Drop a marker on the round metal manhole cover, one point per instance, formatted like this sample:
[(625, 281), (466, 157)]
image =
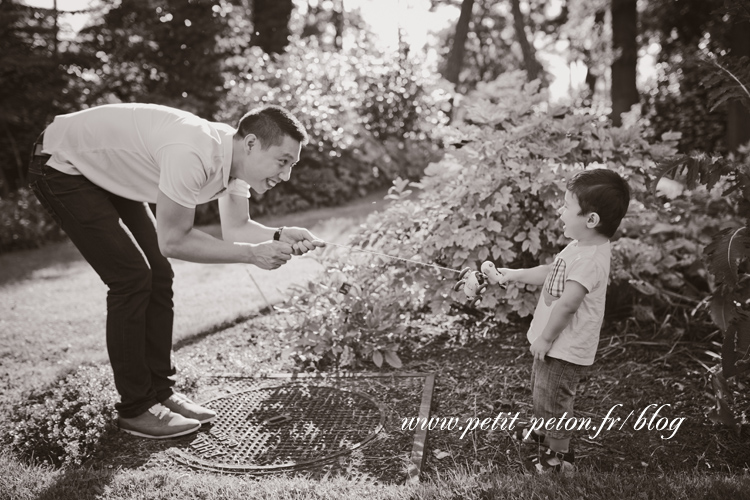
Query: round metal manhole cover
[(289, 426)]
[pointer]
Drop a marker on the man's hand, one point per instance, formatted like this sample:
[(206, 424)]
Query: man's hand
[(301, 239), (540, 347), (268, 255)]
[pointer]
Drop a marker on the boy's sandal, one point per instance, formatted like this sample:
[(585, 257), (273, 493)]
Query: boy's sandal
[(551, 461), (526, 435)]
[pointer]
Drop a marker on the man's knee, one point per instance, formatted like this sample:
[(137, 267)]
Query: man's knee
[(162, 275), (131, 281)]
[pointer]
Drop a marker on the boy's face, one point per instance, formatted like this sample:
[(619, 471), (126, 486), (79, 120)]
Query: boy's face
[(575, 227)]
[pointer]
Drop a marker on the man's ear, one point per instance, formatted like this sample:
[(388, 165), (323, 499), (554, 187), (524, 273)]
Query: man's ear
[(593, 220), (249, 141)]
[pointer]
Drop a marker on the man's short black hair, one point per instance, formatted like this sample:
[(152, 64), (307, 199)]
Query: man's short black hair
[(604, 192), (270, 124)]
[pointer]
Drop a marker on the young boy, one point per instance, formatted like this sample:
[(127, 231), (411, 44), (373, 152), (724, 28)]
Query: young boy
[(564, 333)]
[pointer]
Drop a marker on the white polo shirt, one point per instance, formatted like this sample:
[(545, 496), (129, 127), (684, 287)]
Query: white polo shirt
[(135, 150)]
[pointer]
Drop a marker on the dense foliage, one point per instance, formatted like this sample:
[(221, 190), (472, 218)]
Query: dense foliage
[(494, 196), (161, 51), (62, 424), (34, 89), (689, 34), (24, 223)]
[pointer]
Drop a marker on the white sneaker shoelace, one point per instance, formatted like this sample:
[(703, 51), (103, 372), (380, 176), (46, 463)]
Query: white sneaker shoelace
[(180, 399), (159, 410)]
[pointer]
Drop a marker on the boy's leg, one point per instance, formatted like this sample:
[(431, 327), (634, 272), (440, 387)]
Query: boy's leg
[(554, 392), (525, 434), (87, 215), (160, 310)]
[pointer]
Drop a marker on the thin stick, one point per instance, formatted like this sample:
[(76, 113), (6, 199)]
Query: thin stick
[(268, 304), (393, 257)]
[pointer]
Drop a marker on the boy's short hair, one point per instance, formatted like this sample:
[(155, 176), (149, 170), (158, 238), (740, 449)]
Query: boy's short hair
[(604, 192), (270, 124)]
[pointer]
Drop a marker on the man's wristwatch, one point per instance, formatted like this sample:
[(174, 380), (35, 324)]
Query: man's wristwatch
[(277, 234)]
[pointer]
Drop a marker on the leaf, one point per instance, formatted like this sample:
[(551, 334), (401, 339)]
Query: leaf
[(699, 167), (643, 287), (439, 454), (377, 358), (723, 311), (483, 254), (392, 359), (723, 255), (671, 136)]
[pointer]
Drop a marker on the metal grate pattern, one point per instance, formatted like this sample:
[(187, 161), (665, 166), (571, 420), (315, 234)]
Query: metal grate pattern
[(282, 427)]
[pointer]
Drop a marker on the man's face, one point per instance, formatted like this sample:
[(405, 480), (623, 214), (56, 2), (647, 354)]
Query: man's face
[(264, 168)]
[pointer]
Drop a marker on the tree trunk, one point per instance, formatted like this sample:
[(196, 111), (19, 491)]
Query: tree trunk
[(592, 77), (625, 45), (271, 24), (338, 24), (456, 56), (738, 116), (533, 68)]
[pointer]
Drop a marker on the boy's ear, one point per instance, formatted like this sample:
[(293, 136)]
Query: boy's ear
[(593, 220)]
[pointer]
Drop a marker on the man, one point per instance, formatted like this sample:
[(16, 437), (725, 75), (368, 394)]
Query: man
[(95, 171)]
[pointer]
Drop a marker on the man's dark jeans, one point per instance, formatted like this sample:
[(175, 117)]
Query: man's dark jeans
[(118, 238)]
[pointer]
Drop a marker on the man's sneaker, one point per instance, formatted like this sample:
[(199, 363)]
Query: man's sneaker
[(158, 422), (178, 403)]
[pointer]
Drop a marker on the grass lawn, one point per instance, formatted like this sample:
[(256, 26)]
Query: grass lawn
[(52, 320)]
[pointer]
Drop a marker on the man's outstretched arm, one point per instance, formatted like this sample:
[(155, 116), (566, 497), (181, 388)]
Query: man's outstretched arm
[(179, 239), (236, 226)]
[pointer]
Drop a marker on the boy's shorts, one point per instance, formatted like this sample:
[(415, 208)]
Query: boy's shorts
[(553, 389)]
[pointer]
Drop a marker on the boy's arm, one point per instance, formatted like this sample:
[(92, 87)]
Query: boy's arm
[(531, 276), (562, 313)]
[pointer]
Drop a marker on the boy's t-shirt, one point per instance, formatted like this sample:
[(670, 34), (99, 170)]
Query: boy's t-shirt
[(589, 266)]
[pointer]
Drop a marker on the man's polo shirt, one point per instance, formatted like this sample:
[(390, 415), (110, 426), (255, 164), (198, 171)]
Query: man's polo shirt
[(135, 150)]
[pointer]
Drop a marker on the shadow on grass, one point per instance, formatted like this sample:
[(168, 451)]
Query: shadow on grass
[(26, 264), (116, 452)]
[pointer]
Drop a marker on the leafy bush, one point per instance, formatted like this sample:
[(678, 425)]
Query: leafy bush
[(62, 424), (335, 322), (494, 196), (24, 223)]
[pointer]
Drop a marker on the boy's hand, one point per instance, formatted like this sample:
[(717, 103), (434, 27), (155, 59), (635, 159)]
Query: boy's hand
[(494, 276), (540, 347), (505, 275)]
